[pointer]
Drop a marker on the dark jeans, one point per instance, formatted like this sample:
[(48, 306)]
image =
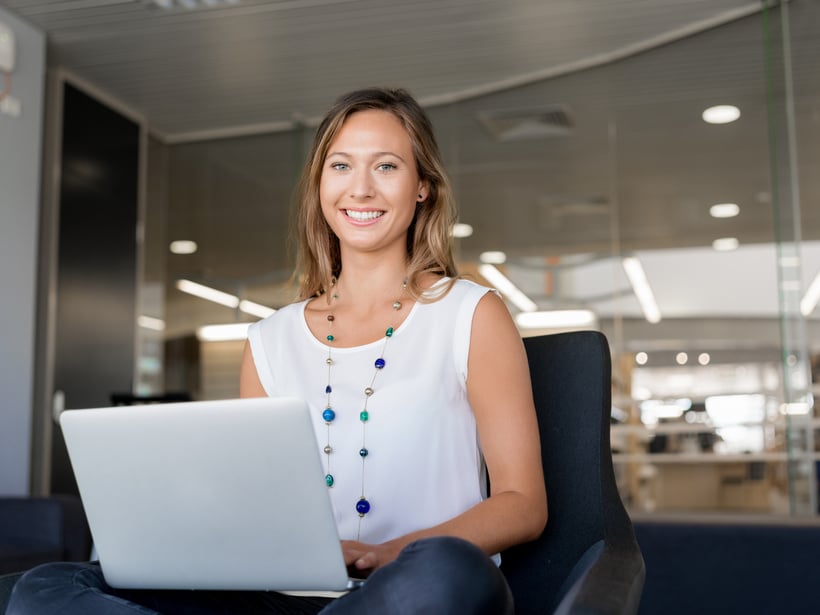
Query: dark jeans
[(435, 575)]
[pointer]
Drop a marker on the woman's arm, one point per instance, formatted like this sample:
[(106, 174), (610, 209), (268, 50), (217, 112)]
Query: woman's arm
[(249, 384), (500, 393)]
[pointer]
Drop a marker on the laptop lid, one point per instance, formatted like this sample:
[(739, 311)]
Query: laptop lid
[(206, 495)]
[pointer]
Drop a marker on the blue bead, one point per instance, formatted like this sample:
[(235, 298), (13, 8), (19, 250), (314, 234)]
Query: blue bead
[(328, 415), (380, 363), (363, 452), (328, 389), (362, 507), (329, 480)]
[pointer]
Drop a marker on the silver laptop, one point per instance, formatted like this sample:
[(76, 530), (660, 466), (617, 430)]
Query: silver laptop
[(206, 495)]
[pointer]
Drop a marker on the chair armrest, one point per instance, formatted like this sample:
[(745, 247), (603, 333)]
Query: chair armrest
[(610, 582), (46, 529)]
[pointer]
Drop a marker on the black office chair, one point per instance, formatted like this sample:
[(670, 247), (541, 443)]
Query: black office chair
[(587, 560)]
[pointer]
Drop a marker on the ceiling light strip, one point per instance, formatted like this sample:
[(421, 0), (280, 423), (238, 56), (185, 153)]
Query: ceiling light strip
[(640, 285), (223, 333), (812, 296), (505, 286), (556, 319), (208, 293)]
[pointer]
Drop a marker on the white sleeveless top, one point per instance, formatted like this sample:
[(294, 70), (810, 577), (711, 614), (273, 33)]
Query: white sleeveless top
[(424, 463)]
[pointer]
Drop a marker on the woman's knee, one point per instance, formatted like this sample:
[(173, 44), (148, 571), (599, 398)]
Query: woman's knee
[(462, 574), (51, 584)]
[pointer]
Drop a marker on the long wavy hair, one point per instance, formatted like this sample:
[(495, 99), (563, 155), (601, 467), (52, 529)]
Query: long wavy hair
[(429, 237)]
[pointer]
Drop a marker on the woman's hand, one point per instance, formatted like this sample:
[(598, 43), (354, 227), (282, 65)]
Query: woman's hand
[(362, 558)]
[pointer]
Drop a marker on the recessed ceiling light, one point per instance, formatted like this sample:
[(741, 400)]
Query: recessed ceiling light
[(725, 244), (493, 257), (183, 246), (704, 358), (681, 358), (720, 114), (641, 358), (724, 210), (461, 230)]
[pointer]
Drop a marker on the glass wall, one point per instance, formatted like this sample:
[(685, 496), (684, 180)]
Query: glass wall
[(589, 183)]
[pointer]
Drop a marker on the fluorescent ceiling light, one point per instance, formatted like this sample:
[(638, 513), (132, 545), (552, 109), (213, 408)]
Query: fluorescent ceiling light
[(206, 292), (556, 319), (461, 230), (812, 296), (724, 210), (720, 114), (795, 408), (493, 257), (223, 333), (183, 246), (503, 285), (640, 286), (149, 322), (255, 309), (725, 244), (231, 301)]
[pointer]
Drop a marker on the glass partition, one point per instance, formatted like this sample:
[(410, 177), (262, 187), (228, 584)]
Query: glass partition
[(605, 197)]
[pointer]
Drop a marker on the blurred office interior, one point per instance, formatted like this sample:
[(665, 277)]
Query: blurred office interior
[(150, 149)]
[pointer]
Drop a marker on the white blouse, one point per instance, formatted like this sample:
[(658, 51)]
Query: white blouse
[(424, 463)]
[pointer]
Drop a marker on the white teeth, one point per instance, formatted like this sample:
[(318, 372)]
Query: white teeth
[(364, 215)]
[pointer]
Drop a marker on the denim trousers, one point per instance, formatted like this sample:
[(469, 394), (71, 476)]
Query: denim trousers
[(440, 575)]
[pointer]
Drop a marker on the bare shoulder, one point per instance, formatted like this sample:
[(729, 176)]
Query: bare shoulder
[(492, 317), (496, 347)]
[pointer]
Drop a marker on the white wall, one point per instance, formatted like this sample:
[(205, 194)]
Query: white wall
[(20, 162)]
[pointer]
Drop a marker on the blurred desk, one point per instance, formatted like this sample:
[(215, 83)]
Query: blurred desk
[(710, 485)]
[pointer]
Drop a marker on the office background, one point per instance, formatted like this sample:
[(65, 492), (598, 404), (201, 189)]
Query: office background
[(574, 136)]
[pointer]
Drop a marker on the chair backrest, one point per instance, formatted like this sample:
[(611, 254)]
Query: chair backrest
[(571, 380)]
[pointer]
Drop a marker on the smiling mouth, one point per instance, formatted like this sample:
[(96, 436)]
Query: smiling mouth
[(363, 216)]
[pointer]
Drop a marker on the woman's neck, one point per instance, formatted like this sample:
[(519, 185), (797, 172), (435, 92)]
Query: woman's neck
[(367, 281)]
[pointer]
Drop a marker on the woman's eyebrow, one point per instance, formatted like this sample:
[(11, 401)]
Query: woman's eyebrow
[(374, 155)]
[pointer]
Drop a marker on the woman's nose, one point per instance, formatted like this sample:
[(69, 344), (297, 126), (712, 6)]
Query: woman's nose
[(361, 185)]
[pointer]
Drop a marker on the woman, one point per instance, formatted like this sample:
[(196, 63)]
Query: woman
[(406, 368)]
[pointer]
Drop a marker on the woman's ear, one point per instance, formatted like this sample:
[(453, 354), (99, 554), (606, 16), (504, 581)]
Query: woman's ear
[(424, 191)]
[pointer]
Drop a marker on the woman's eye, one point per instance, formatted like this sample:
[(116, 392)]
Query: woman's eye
[(339, 166), (386, 166)]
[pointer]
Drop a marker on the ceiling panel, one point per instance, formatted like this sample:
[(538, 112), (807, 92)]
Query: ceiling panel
[(264, 62)]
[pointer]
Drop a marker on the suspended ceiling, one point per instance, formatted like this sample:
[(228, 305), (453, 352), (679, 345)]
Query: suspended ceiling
[(636, 170)]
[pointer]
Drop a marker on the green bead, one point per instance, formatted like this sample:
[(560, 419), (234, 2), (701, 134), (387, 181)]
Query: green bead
[(329, 480), (363, 416), (330, 338), (389, 332)]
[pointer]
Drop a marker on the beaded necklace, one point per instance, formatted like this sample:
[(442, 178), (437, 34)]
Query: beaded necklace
[(329, 413)]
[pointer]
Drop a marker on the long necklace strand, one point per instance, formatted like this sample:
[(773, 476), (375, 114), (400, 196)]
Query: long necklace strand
[(329, 414)]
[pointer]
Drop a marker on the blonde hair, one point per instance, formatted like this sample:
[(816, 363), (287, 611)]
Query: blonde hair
[(429, 238)]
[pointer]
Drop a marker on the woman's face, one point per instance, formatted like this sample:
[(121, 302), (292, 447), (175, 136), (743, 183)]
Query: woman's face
[(369, 185)]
